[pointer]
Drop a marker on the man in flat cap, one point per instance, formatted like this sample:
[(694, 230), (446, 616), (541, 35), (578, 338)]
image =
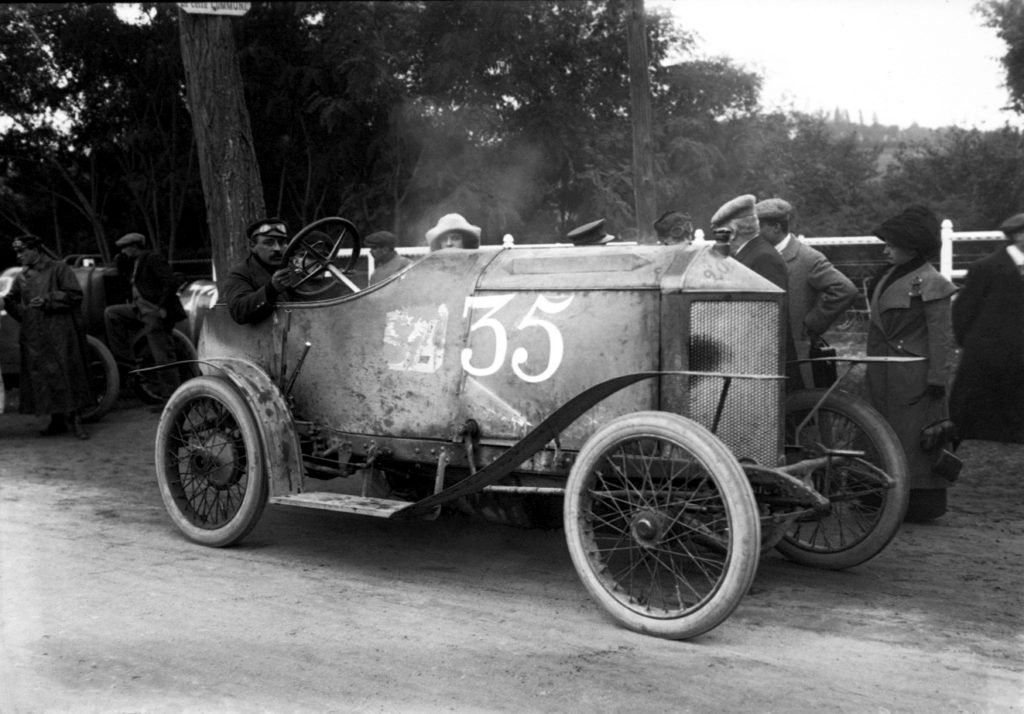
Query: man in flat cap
[(252, 287), (154, 308), (736, 223), (386, 260), (592, 233), (818, 293), (987, 400)]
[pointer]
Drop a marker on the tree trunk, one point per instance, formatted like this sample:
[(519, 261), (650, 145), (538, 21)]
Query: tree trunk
[(643, 149), (220, 122)]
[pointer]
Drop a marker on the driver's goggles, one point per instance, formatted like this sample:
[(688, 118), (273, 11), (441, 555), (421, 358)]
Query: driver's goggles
[(271, 228)]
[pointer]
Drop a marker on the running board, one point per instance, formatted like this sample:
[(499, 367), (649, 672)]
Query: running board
[(343, 503)]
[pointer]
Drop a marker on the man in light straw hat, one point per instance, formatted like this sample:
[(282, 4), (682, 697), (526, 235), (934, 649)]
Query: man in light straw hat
[(453, 231)]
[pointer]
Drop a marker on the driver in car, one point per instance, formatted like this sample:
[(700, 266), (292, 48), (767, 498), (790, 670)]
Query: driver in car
[(252, 287)]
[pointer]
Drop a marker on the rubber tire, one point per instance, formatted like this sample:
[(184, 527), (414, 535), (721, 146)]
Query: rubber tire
[(143, 384), (740, 511), (243, 516), (926, 504), (107, 387), (891, 459)]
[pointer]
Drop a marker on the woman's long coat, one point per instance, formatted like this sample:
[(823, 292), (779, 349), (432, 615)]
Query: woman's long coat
[(987, 401), (911, 318), (54, 377)]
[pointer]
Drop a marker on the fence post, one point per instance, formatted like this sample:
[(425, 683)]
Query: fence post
[(946, 251)]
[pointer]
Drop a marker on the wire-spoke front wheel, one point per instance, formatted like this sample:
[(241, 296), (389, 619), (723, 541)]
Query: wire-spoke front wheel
[(662, 525), (209, 462)]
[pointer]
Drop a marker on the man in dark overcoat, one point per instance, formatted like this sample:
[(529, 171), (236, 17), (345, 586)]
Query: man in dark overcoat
[(736, 223), (154, 308), (987, 400), (46, 299)]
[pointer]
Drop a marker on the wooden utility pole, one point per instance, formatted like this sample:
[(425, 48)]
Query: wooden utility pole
[(643, 144), (220, 122)]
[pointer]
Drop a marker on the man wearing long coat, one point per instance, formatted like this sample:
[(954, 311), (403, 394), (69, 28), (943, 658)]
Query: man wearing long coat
[(987, 400), (46, 299)]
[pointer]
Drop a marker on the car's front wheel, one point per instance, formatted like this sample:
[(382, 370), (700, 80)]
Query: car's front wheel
[(209, 462), (661, 524)]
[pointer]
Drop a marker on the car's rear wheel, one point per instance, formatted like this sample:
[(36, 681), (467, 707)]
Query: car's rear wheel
[(865, 514), (149, 386), (209, 462), (104, 379), (661, 524)]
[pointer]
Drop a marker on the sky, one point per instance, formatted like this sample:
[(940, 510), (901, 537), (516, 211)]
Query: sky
[(930, 62)]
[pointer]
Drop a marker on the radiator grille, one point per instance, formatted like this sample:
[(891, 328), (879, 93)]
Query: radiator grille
[(739, 337)]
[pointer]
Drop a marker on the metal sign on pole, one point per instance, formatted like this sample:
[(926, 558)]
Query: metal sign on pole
[(215, 8)]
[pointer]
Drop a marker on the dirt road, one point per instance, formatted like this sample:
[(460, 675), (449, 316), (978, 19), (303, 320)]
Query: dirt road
[(104, 607)]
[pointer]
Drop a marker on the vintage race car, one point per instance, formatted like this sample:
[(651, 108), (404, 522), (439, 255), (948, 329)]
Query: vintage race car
[(633, 390)]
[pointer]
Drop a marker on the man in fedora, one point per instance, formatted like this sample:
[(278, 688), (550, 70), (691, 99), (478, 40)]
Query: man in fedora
[(987, 399), (154, 308), (386, 260), (252, 287), (453, 231), (818, 293)]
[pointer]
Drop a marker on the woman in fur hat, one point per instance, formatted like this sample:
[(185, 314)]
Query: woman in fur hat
[(910, 317)]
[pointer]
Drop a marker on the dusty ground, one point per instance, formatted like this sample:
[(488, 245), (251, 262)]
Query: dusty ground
[(104, 607)]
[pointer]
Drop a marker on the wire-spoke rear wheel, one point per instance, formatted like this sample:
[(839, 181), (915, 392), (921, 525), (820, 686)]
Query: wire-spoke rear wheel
[(104, 379), (661, 524), (865, 512), (209, 462)]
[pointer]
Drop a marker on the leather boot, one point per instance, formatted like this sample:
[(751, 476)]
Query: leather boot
[(76, 427), (57, 425)]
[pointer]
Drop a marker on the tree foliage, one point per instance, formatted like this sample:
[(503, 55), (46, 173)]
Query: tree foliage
[(516, 114), (1007, 17)]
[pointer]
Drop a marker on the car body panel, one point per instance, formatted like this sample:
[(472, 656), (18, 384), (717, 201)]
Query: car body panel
[(505, 337)]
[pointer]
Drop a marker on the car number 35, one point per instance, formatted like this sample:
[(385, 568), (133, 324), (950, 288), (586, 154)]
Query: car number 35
[(492, 304)]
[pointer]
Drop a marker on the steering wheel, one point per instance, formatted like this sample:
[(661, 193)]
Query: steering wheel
[(315, 254)]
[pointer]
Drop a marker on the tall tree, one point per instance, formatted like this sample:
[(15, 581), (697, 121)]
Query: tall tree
[(220, 120), (1007, 17), (643, 149)]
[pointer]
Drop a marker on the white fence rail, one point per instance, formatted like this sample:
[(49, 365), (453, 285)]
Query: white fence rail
[(949, 238)]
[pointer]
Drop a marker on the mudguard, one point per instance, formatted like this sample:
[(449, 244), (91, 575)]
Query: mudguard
[(280, 443), (550, 428)]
